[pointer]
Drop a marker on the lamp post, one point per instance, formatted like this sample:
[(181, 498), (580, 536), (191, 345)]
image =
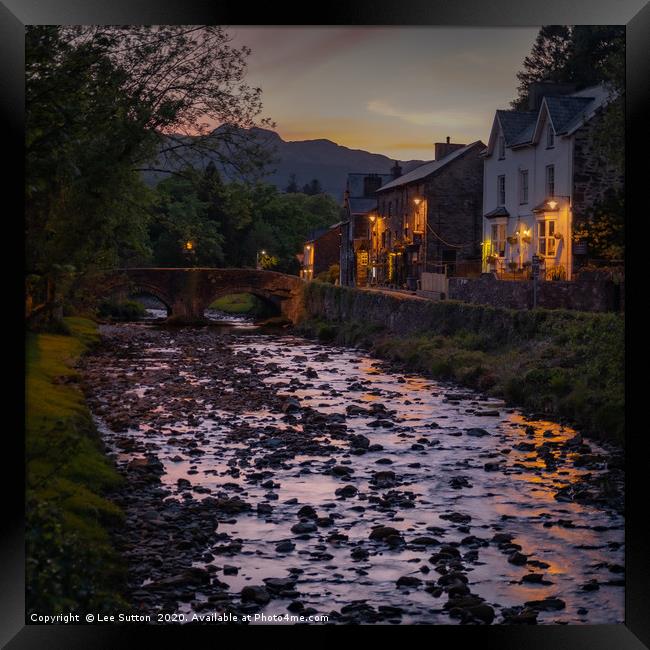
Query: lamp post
[(188, 249), (258, 260), (418, 227), (373, 271), (552, 204)]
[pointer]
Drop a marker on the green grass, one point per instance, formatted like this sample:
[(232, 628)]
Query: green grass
[(562, 364), (71, 564), (236, 303)]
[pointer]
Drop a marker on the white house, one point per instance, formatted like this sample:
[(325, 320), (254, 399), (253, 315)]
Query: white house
[(529, 172)]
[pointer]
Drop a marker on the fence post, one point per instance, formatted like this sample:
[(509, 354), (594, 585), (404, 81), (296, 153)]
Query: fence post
[(535, 269)]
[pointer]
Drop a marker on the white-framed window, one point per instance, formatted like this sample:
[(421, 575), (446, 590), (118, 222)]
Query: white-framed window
[(523, 186), (550, 180), (501, 189), (502, 147), (546, 242), (498, 238), (550, 136)]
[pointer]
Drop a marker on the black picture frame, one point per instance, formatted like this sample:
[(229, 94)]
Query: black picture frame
[(15, 14)]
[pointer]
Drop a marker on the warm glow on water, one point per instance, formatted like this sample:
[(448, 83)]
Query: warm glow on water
[(430, 452)]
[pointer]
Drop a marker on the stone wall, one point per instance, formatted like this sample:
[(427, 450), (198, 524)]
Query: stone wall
[(454, 208), (593, 175), (591, 291)]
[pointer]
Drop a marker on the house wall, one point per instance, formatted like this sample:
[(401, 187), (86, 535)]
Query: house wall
[(453, 204), (534, 159), (326, 250)]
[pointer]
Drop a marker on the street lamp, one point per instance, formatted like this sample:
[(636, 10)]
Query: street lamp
[(258, 261), (372, 218)]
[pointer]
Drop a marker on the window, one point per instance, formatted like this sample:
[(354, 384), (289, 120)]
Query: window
[(546, 242), (523, 186), (550, 137), (501, 190), (502, 147), (550, 180), (499, 239)]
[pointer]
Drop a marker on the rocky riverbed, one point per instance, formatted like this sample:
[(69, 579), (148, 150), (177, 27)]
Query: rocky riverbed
[(268, 473)]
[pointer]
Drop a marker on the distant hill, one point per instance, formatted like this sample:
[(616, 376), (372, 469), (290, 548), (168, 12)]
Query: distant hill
[(324, 160)]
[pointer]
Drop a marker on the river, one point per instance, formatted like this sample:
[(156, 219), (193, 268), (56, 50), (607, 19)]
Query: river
[(270, 474)]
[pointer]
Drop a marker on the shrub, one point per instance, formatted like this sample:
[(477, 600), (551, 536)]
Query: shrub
[(128, 310)]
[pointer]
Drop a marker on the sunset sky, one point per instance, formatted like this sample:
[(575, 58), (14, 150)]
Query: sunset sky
[(390, 90)]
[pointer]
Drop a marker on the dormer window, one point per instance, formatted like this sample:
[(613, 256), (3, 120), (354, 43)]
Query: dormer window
[(550, 137), (502, 147)]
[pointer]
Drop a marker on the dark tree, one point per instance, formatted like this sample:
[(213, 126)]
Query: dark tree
[(105, 103), (578, 54), (292, 187), (312, 188)]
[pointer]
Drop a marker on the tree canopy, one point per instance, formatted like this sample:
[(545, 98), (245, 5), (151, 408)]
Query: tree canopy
[(102, 104), (582, 54)]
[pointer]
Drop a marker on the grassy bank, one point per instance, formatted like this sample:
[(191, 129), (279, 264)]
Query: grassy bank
[(562, 364), (71, 564), (237, 303)]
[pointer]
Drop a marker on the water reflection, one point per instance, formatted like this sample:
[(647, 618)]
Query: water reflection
[(427, 446)]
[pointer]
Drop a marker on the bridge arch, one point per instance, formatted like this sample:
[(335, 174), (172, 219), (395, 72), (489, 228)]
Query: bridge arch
[(188, 292), (125, 288), (273, 300)]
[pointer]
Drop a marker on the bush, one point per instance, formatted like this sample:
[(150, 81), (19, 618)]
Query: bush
[(128, 310), (331, 275)]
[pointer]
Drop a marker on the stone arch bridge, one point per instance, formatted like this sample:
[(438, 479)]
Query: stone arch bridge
[(187, 292)]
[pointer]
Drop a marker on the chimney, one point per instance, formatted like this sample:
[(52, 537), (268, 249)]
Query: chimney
[(396, 170), (540, 89), (443, 149)]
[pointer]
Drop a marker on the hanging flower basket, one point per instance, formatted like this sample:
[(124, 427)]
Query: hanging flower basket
[(527, 239), (558, 235), (512, 240)]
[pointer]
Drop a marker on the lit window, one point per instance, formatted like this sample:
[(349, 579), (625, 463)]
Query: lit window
[(501, 189), (546, 242), (499, 239)]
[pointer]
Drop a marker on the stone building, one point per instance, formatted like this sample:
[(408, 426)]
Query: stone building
[(430, 218), (542, 178), (321, 251), (360, 202)]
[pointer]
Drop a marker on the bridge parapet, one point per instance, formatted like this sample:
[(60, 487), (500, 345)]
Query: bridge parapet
[(187, 292)]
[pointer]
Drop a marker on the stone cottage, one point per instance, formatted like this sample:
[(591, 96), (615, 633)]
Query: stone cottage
[(430, 218), (360, 202)]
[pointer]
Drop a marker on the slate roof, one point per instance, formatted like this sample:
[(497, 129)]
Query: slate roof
[(566, 113), (564, 110), (428, 168), (497, 212), (362, 206), (514, 123), (315, 234)]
